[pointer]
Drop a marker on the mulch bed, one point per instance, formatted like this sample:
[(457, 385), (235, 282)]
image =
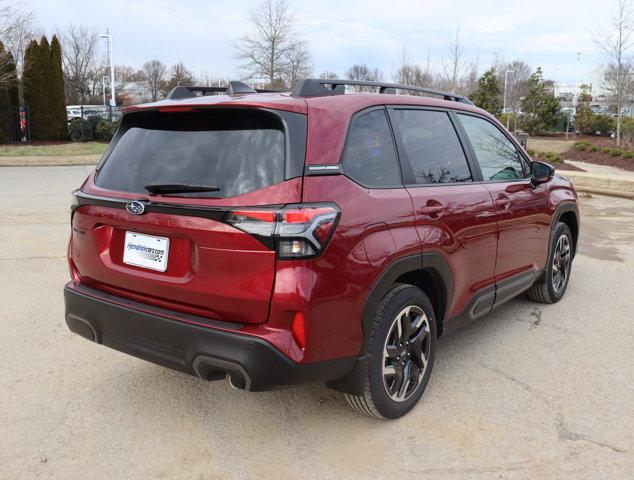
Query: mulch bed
[(567, 166), (600, 158)]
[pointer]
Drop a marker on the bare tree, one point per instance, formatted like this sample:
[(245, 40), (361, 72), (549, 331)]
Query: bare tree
[(408, 73), (178, 76), (154, 73), (328, 75), (17, 28), (124, 75), (266, 52), (615, 43), (469, 81), (519, 73), (82, 69), (299, 64), (453, 65), (365, 74)]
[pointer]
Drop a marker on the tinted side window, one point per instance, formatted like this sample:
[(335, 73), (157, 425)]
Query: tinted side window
[(496, 154), (370, 155), (432, 146)]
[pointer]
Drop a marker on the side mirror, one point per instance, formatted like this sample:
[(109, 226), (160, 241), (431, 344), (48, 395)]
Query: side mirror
[(541, 172)]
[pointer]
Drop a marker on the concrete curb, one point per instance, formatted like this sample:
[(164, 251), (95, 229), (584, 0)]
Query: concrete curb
[(43, 164), (48, 160)]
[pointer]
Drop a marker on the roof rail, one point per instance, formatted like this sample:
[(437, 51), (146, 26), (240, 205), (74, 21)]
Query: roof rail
[(234, 88), (318, 87)]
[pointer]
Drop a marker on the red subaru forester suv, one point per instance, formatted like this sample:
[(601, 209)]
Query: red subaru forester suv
[(282, 238)]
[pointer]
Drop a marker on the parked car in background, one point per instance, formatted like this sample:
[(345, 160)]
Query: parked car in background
[(281, 238), (101, 111)]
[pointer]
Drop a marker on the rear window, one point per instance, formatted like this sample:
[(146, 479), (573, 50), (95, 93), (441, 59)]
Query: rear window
[(239, 151)]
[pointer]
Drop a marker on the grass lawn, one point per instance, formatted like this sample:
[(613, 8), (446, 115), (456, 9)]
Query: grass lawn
[(554, 145), (53, 150)]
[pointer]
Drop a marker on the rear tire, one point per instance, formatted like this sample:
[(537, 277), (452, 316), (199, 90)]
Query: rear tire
[(399, 355), (554, 282)]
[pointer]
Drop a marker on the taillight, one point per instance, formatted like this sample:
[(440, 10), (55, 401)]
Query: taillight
[(295, 231)]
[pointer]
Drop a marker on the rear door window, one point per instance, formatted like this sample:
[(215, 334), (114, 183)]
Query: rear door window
[(370, 154), (238, 151), (433, 150)]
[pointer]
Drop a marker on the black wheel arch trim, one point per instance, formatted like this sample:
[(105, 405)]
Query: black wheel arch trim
[(559, 211), (430, 261)]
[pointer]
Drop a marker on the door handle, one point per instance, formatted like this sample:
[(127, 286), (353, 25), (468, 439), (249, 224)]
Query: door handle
[(433, 208), (502, 201)]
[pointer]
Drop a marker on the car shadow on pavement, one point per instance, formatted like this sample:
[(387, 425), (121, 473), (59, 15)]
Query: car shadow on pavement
[(167, 394)]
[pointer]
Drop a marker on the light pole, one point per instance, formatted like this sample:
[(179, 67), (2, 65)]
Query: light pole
[(108, 37), (577, 83), (506, 79), (103, 88)]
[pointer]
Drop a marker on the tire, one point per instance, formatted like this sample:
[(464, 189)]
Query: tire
[(551, 287), (386, 391)]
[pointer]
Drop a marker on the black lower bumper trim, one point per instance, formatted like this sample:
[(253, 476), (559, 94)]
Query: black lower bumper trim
[(251, 363)]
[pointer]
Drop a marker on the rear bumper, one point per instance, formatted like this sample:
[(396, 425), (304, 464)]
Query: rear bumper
[(210, 353)]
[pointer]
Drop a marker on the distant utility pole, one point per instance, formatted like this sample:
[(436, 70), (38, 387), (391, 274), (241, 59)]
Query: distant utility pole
[(108, 37), (506, 79)]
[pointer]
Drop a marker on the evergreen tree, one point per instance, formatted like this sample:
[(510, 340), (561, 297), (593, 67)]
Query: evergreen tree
[(584, 117), (8, 95), (56, 94), (540, 108), (31, 81), (44, 90), (43, 116), (487, 96)]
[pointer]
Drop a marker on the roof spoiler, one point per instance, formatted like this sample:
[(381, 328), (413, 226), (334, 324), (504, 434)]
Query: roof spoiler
[(233, 88), (319, 87)]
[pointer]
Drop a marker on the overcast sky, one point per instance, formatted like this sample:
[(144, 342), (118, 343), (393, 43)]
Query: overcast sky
[(342, 32)]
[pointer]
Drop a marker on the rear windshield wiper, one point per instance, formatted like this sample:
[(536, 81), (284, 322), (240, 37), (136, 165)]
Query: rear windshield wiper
[(167, 188)]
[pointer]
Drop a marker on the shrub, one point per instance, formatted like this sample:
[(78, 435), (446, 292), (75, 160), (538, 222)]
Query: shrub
[(616, 152), (628, 154), (603, 123), (74, 130), (554, 157), (105, 130), (548, 156), (582, 145), (95, 128)]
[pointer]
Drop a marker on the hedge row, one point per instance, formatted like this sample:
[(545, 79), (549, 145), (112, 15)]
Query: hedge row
[(549, 156), (95, 128), (586, 146)]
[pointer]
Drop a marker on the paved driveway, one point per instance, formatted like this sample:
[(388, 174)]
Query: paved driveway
[(531, 391)]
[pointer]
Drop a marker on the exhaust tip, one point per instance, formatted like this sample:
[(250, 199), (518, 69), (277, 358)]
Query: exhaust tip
[(209, 368), (237, 381)]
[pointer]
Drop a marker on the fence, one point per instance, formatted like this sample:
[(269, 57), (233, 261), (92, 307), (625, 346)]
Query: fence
[(107, 112), (15, 124)]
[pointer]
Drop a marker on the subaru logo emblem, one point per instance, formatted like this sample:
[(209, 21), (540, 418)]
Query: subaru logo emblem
[(135, 207)]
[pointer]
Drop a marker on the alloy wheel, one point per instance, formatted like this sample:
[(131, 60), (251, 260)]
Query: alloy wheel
[(561, 263), (406, 353)]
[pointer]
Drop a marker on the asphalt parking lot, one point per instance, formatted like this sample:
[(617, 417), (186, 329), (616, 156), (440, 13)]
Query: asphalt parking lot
[(531, 391)]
